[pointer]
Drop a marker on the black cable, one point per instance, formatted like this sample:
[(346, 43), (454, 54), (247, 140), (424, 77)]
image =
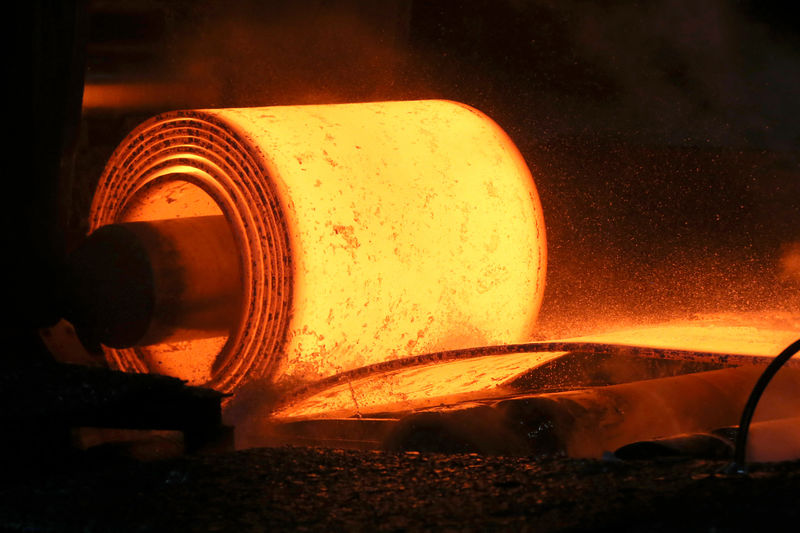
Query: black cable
[(740, 450)]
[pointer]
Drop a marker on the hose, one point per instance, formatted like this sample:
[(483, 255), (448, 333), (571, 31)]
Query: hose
[(740, 450)]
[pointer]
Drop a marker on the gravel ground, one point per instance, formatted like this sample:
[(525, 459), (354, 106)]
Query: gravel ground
[(307, 489)]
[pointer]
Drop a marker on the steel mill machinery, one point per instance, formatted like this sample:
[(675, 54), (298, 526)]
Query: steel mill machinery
[(369, 275), (401, 265), (295, 242), (363, 274)]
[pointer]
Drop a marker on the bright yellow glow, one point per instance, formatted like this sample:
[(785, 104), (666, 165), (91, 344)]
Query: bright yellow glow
[(367, 232), (412, 224), (485, 377), (733, 333), (420, 387)]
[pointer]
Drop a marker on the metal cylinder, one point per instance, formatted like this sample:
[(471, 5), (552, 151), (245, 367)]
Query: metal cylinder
[(160, 281), (364, 232)]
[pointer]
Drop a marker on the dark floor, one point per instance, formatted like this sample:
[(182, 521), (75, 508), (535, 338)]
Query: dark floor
[(314, 489)]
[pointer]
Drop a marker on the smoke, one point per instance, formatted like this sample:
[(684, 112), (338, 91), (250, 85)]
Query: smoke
[(250, 53), (789, 263), (638, 235), (249, 410), (774, 440), (635, 234), (638, 232), (683, 71), (673, 189), (587, 90)]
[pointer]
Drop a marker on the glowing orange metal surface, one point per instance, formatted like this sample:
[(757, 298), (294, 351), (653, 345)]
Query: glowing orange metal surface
[(420, 387), (367, 232), (484, 377), (735, 333)]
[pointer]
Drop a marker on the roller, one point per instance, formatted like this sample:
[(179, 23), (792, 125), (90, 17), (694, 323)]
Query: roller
[(291, 243)]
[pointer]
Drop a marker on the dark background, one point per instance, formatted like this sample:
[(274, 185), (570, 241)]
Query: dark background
[(663, 136), (664, 142)]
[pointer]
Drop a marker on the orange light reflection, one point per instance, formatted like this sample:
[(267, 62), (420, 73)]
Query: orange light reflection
[(735, 333), (420, 387), (366, 232), (485, 377), (130, 96)]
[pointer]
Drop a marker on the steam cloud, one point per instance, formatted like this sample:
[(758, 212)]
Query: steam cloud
[(790, 262), (703, 70)]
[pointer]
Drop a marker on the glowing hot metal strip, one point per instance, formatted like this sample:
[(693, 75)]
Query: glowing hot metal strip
[(366, 232), (289, 405)]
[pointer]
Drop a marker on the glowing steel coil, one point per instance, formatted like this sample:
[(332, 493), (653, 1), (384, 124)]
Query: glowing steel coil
[(364, 232)]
